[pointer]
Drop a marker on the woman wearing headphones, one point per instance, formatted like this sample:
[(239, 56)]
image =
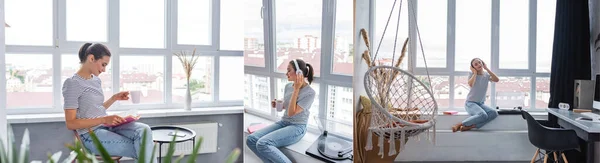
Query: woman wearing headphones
[(298, 98), (480, 114)]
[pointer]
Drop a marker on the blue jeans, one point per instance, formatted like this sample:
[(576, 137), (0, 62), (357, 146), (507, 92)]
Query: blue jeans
[(124, 140), (480, 114), (265, 142)]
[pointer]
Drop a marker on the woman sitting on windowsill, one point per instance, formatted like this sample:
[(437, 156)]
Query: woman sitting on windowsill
[(480, 113), (298, 97)]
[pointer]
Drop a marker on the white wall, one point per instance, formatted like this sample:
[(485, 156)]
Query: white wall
[(361, 20), (3, 123)]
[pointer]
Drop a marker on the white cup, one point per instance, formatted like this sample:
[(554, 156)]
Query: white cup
[(135, 96), (279, 105)]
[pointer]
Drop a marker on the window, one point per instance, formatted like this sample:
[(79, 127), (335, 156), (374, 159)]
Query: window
[(340, 112), (545, 34), (431, 19), (230, 83), (28, 76), (473, 32), (194, 22), (232, 33), (142, 27), (143, 73), (513, 92), (314, 109), (440, 87), (86, 23), (298, 28), (254, 44), (461, 91), (514, 34), (139, 51), (29, 24), (339, 105), (468, 29), (342, 42), (281, 84), (200, 82), (70, 66), (257, 93), (298, 35), (542, 92), (386, 51)]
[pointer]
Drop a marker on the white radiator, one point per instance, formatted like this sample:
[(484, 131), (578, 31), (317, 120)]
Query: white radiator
[(208, 132)]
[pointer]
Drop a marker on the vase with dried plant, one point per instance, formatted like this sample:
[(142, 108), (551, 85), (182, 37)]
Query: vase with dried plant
[(188, 61)]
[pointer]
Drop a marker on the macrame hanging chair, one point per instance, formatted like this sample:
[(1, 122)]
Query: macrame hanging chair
[(403, 106)]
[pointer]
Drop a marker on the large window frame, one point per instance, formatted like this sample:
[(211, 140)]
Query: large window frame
[(326, 78), (450, 71), (62, 46)]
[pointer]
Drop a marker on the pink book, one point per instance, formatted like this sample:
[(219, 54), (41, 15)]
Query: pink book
[(450, 112), (255, 127), (128, 119)]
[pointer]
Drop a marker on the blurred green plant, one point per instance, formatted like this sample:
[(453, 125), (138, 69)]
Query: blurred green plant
[(9, 154)]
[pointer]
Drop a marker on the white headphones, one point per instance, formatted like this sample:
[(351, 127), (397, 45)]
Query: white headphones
[(298, 70)]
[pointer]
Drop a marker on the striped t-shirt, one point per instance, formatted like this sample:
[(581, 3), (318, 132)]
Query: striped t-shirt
[(306, 97), (86, 96)]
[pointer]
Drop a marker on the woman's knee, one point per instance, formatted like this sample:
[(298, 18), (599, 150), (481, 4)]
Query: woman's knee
[(492, 115), (483, 115), (141, 128), (264, 143), (251, 139)]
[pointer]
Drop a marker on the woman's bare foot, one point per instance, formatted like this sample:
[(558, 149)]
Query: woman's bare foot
[(466, 128), (456, 127)]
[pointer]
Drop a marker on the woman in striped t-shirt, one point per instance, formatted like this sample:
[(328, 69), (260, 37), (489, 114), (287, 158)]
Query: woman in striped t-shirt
[(85, 109)]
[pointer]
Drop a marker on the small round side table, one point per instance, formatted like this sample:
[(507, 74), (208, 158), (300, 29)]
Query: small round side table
[(164, 134)]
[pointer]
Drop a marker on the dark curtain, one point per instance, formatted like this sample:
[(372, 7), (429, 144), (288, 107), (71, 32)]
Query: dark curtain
[(570, 56), (571, 50)]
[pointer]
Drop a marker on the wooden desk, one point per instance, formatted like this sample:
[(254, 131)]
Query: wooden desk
[(588, 131)]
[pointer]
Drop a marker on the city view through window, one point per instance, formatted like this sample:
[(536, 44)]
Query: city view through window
[(298, 35), (31, 62)]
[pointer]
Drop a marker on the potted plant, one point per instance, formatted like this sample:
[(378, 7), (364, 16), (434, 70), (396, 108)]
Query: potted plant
[(188, 61)]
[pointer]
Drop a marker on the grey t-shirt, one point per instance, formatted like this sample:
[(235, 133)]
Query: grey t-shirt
[(86, 96), (479, 88), (305, 100)]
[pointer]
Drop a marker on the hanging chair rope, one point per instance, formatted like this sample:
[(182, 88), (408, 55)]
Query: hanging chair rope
[(384, 29), (397, 27), (396, 36), (404, 106)]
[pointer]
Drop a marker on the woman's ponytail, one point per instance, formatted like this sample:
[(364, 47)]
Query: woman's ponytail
[(82, 52), (97, 49), (310, 73)]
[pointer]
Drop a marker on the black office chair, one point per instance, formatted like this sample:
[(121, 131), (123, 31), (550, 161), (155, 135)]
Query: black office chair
[(549, 139)]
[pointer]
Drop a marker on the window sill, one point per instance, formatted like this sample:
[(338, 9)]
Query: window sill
[(155, 113), (464, 113)]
